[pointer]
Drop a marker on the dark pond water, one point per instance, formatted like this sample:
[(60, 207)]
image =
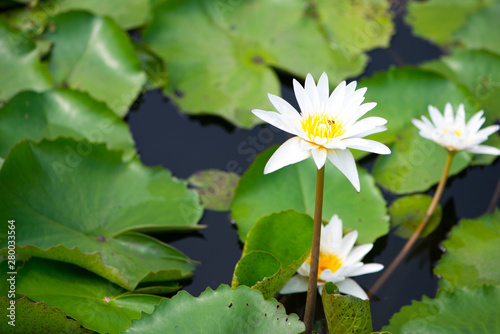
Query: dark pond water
[(185, 144)]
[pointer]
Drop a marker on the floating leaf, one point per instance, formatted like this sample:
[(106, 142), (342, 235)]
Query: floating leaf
[(20, 66), (294, 187), (230, 49), (62, 113), (462, 311), (472, 252), (153, 66), (275, 248), (82, 197), (215, 187), (407, 213), (93, 54), (38, 318), (426, 17), (482, 30), (345, 313), (92, 301), (224, 310)]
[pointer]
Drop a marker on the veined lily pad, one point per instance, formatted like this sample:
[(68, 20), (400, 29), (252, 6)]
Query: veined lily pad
[(472, 252), (275, 248), (294, 187), (345, 313), (98, 58), (459, 312), (62, 113), (21, 67), (76, 199), (229, 49), (242, 310), (92, 301), (215, 187)]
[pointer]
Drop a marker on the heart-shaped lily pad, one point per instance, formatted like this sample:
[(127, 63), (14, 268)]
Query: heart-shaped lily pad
[(76, 200), (294, 187)]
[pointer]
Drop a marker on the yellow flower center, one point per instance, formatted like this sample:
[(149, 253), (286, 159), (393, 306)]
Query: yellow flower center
[(458, 133), (327, 261), (322, 126)]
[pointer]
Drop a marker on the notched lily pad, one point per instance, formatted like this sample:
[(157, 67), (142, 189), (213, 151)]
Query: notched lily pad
[(215, 187), (225, 310), (408, 212)]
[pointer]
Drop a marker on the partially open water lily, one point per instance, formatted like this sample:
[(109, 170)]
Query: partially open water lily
[(453, 133), (326, 127), (339, 259)]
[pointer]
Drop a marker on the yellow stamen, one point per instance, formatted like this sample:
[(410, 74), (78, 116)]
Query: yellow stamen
[(327, 261), (458, 133), (321, 125)]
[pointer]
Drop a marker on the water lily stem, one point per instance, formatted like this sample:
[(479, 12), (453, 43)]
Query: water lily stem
[(409, 244), (313, 273)]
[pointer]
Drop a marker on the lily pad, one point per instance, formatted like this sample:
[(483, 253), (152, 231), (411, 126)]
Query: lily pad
[(215, 187), (38, 318), (77, 199), (230, 49), (294, 187), (275, 248), (97, 57), (426, 17), (482, 30), (58, 113), (472, 252), (462, 311), (153, 66), (242, 310), (92, 301), (21, 67), (345, 313), (407, 213)]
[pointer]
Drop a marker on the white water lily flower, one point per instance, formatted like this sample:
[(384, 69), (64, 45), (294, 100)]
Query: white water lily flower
[(326, 127), (453, 133), (338, 260)]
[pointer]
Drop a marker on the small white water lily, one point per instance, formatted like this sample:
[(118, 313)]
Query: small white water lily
[(338, 260), (326, 127), (453, 133)]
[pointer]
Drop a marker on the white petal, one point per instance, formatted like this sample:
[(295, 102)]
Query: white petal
[(336, 144), (475, 122), (367, 145), (350, 287), (483, 149), (312, 92), (288, 153), (296, 284), (277, 120), (448, 114), (305, 103), (319, 156), (376, 129), (436, 117), (357, 254), (367, 269), (488, 131), (460, 119), (304, 269), (344, 161), (422, 125), (283, 107), (364, 125), (336, 100), (350, 88), (331, 234), (323, 89), (347, 243), (328, 276), (362, 110)]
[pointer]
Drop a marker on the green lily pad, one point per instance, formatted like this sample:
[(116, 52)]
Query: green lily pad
[(345, 313), (93, 54), (21, 67), (472, 252), (92, 301), (407, 213), (38, 318), (83, 198), (215, 187), (275, 248), (482, 30), (231, 49), (426, 17), (225, 310), (153, 66), (62, 113), (294, 187), (459, 312)]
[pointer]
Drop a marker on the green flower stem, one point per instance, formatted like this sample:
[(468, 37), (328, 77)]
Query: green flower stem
[(409, 244), (313, 273)]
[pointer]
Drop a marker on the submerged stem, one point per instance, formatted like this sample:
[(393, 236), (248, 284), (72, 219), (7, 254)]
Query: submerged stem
[(313, 273), (409, 244)]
